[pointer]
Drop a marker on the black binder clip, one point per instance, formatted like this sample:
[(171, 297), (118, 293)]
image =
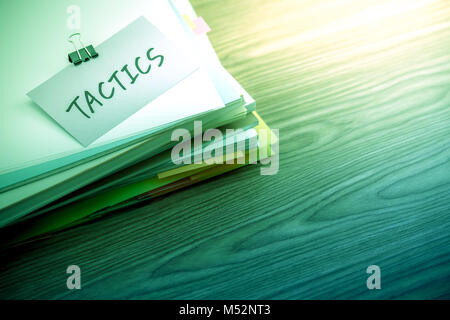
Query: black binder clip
[(83, 54)]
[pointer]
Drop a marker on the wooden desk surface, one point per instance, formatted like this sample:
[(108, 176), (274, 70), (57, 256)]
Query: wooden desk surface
[(360, 93)]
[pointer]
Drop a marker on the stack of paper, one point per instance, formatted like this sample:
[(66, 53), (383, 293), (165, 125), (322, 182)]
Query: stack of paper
[(130, 125)]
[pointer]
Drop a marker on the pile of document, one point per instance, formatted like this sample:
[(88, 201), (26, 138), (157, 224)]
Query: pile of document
[(153, 113)]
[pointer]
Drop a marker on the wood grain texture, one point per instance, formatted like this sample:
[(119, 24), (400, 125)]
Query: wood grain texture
[(360, 93)]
